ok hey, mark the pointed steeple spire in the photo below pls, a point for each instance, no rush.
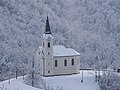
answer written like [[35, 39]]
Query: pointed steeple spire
[[47, 27]]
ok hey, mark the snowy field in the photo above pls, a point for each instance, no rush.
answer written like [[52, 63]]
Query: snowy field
[[73, 82], [15, 84], [68, 82]]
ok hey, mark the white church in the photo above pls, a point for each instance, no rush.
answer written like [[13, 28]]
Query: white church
[[56, 60]]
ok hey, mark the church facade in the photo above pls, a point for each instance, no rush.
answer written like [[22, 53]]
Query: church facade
[[56, 60]]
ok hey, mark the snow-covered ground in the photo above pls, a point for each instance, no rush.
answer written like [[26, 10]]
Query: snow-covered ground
[[73, 82], [68, 82], [15, 84]]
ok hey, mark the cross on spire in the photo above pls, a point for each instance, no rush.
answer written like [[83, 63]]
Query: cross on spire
[[47, 27]]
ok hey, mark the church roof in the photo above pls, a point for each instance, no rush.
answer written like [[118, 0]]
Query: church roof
[[47, 27], [63, 51]]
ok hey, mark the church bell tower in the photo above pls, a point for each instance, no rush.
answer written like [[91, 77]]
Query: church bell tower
[[47, 44]]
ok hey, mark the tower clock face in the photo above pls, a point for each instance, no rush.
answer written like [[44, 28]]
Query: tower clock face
[[49, 39]]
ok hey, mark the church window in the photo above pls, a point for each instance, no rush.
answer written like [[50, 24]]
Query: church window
[[56, 63], [48, 71], [78, 62], [72, 61], [65, 62], [48, 45], [43, 44], [48, 53], [48, 63]]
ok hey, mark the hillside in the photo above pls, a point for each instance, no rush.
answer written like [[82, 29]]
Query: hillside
[[16, 85], [92, 27]]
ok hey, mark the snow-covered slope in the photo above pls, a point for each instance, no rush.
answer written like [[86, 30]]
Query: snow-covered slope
[[67, 82], [73, 82], [92, 27], [16, 84]]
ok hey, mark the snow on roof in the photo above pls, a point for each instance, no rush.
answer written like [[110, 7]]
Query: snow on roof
[[45, 36], [63, 51]]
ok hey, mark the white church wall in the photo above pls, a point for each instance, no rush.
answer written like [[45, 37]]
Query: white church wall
[[75, 68], [48, 66], [48, 54], [69, 69]]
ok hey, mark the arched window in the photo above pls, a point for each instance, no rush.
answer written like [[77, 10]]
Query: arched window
[[56, 63], [48, 45], [72, 62], [78, 62], [48, 53], [48, 71], [65, 62], [43, 44]]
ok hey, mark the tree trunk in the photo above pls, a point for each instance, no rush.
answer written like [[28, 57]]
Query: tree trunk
[[16, 72], [33, 78], [33, 72]]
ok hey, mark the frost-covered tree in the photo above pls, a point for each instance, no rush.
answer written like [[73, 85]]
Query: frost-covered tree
[[110, 81], [34, 77]]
